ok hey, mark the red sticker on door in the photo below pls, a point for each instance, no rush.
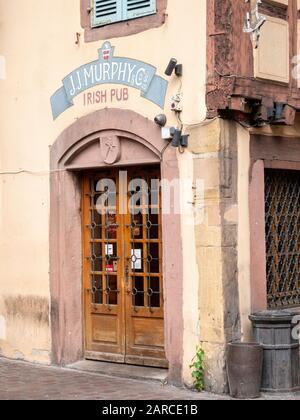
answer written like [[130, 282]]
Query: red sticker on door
[[109, 268]]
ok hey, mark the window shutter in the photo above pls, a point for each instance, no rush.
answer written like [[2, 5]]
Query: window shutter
[[138, 8], [105, 12]]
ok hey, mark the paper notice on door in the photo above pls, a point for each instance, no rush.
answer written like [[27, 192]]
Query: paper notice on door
[[136, 258], [109, 249]]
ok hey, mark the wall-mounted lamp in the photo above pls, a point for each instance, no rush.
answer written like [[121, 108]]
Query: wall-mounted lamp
[[174, 66], [176, 138], [184, 141], [160, 120]]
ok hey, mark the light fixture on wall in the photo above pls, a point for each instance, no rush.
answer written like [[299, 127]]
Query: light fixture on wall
[[180, 140], [174, 66], [160, 120], [176, 138], [184, 141]]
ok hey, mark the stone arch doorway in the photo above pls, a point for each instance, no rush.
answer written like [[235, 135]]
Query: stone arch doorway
[[78, 149]]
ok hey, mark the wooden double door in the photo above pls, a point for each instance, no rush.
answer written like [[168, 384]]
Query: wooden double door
[[122, 267]]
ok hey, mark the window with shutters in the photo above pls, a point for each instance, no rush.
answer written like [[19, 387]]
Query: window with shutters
[[106, 12], [105, 19]]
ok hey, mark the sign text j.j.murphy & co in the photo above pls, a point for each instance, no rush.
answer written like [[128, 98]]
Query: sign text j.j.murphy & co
[[110, 70]]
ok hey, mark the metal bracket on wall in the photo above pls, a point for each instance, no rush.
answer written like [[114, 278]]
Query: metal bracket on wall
[[254, 22]]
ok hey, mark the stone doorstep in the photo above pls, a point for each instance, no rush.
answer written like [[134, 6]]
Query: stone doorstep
[[121, 370]]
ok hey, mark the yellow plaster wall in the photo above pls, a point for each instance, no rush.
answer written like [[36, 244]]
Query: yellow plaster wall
[[39, 51]]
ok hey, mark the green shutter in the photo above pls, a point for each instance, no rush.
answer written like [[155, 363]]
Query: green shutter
[[105, 12], [138, 8]]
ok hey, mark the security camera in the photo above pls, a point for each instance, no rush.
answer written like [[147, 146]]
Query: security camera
[[171, 67], [160, 120]]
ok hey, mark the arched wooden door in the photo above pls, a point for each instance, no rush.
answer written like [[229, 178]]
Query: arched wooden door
[[122, 267]]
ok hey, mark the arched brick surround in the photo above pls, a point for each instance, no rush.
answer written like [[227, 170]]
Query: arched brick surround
[[74, 151]]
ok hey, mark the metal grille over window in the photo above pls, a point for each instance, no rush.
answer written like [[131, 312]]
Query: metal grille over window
[[104, 259], [282, 205], [146, 247]]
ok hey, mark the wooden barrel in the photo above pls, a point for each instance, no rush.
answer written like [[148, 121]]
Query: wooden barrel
[[281, 366], [244, 369]]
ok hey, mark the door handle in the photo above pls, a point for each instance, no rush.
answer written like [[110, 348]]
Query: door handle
[[127, 277]]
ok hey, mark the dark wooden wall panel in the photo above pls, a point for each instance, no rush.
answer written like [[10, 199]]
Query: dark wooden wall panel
[[231, 85]]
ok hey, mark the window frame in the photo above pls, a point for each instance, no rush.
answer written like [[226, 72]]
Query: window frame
[[122, 13], [120, 28], [281, 250], [266, 152]]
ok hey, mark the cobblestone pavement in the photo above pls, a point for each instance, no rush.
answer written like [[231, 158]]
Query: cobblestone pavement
[[24, 381]]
